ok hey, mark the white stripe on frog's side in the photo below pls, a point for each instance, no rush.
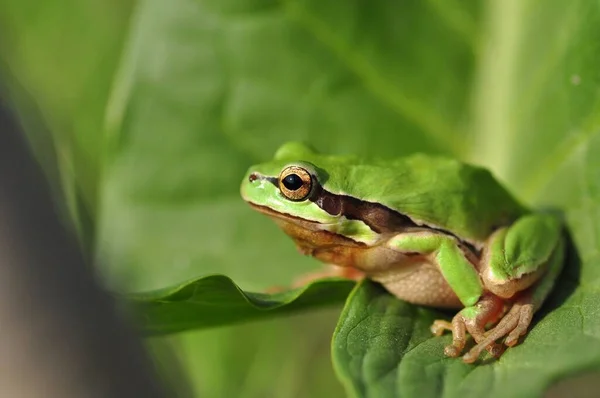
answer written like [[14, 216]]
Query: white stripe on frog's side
[[356, 230]]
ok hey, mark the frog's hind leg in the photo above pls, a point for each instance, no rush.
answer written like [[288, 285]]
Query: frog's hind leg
[[329, 271], [516, 322], [516, 257]]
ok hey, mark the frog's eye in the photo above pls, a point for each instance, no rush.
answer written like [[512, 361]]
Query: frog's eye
[[295, 183]]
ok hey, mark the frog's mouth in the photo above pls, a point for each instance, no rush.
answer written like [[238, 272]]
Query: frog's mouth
[[308, 224]]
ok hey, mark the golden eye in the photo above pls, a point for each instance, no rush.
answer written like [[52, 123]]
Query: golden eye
[[295, 183]]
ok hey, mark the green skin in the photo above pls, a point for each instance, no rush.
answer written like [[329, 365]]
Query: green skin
[[521, 252]]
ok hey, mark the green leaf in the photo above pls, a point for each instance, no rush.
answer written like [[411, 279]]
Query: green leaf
[[382, 347], [204, 88], [217, 300], [374, 334], [282, 357]]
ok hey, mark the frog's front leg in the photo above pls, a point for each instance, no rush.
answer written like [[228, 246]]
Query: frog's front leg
[[454, 263], [472, 319]]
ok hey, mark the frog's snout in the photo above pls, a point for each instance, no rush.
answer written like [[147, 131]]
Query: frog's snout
[[253, 177]]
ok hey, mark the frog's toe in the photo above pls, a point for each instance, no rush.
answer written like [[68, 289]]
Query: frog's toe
[[525, 317], [474, 353], [495, 350], [459, 336], [439, 326], [452, 351]]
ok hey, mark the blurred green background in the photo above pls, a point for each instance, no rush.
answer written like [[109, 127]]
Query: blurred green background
[[147, 113]]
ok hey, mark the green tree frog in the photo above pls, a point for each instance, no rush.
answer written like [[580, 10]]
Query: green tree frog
[[432, 230]]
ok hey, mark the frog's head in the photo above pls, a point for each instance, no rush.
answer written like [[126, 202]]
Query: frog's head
[[292, 189], [289, 185]]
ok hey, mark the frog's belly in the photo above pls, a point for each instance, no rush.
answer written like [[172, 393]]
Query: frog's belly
[[421, 284], [409, 277]]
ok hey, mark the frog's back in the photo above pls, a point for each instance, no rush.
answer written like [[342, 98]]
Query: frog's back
[[435, 191]]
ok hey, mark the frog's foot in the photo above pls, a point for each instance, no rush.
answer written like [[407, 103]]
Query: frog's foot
[[330, 271], [472, 320], [513, 325], [439, 326]]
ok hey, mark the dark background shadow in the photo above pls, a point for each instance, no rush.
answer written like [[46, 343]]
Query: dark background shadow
[[61, 335]]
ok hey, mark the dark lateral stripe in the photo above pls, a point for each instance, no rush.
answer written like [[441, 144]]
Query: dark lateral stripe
[[273, 180], [377, 217]]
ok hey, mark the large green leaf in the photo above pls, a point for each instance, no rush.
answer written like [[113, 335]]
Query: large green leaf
[[205, 88], [382, 347], [216, 300], [278, 357]]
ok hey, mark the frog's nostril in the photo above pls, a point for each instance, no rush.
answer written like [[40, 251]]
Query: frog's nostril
[[253, 177]]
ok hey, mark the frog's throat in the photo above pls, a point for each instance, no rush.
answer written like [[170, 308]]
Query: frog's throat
[[313, 239]]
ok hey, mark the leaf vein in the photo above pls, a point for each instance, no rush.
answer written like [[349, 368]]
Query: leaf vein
[[408, 108]]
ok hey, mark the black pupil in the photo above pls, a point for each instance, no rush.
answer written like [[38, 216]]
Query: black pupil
[[292, 182]]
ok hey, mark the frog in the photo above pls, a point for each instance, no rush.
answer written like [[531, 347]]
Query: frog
[[432, 230]]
